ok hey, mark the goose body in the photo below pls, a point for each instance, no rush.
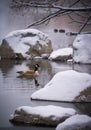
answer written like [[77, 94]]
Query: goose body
[[30, 73]]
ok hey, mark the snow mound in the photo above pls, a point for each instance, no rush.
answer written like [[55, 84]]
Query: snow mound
[[61, 54], [76, 122], [48, 115], [64, 86], [82, 49], [28, 41]]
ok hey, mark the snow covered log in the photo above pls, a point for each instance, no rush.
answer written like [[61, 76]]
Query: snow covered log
[[76, 122], [42, 115], [66, 86], [25, 44], [82, 49], [62, 54]]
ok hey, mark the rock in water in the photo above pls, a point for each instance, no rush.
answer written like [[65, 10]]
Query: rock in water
[[25, 44]]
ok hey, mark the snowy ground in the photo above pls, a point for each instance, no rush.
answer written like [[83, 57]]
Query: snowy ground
[[64, 86]]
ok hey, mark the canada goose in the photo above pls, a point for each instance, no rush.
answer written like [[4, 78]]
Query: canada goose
[[30, 73]]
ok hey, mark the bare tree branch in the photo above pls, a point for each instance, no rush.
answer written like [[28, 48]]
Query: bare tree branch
[[84, 24], [74, 3], [41, 21], [59, 9], [78, 21], [47, 5]]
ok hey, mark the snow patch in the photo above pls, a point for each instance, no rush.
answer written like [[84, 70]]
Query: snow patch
[[47, 111]]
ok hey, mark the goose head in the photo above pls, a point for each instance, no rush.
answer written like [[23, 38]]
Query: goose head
[[36, 67]]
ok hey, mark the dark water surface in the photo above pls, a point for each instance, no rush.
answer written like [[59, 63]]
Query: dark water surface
[[15, 92]]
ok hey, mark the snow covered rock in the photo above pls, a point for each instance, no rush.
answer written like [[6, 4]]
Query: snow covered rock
[[64, 86], [76, 122], [42, 115], [82, 49], [28, 43], [6, 50], [62, 54]]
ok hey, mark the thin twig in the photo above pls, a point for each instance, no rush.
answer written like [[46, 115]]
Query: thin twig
[[84, 24]]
